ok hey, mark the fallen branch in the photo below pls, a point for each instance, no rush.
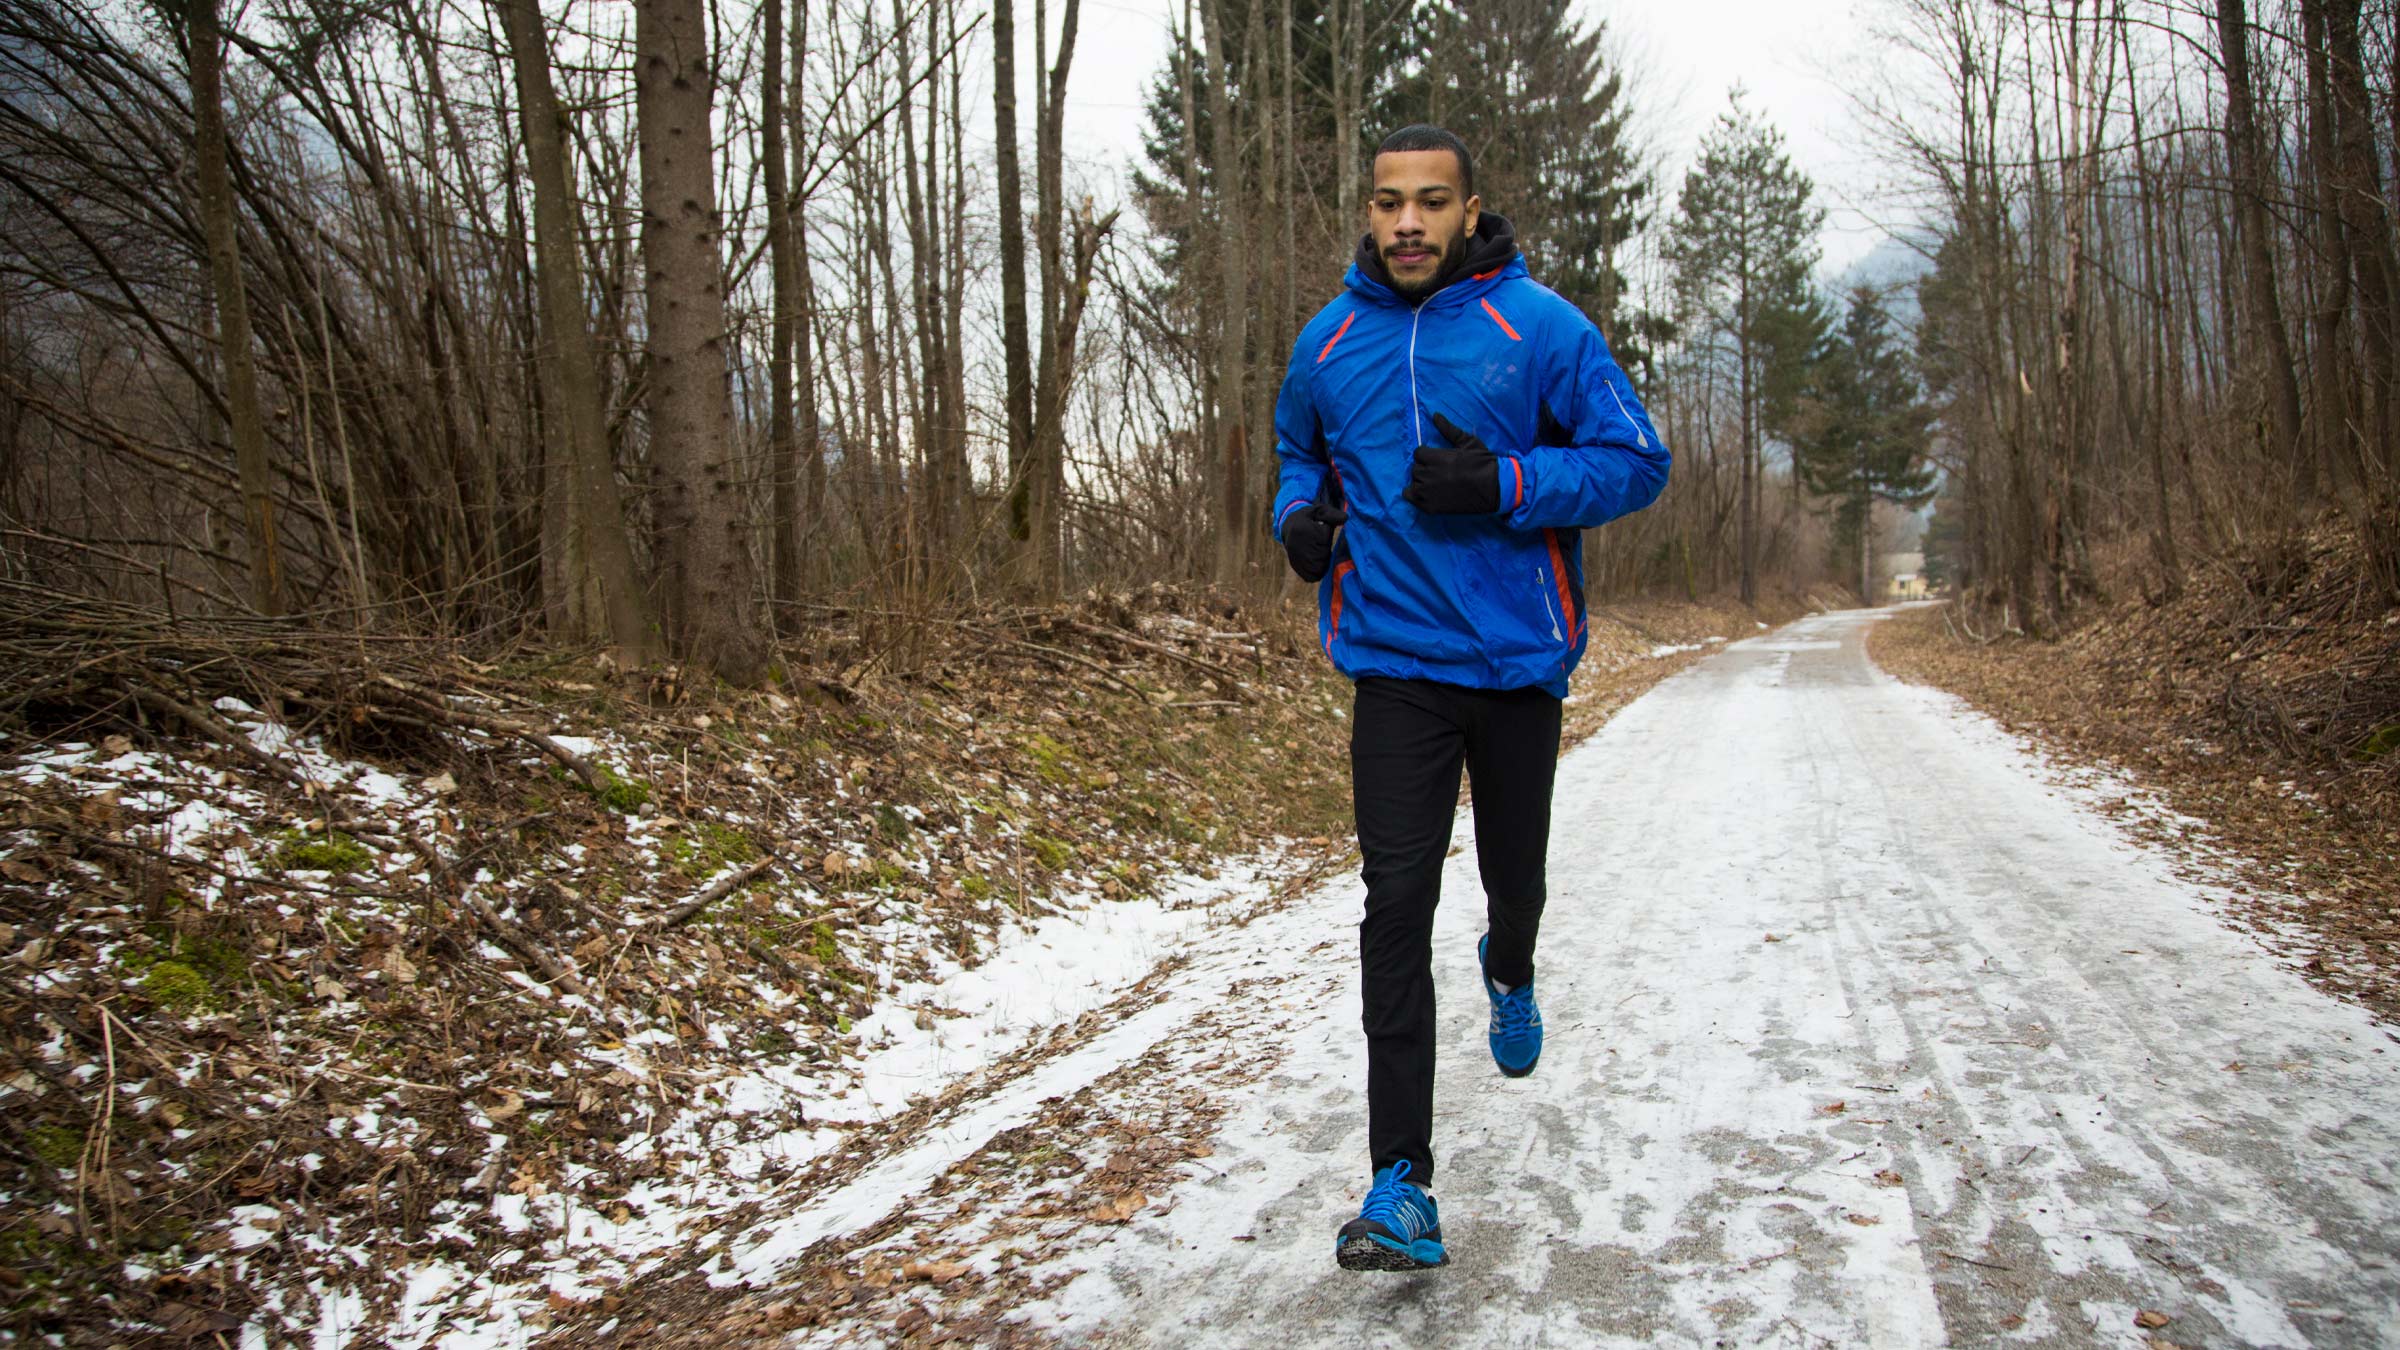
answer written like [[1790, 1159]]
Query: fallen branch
[[715, 891], [433, 705], [506, 934], [214, 728], [1079, 659], [1231, 682]]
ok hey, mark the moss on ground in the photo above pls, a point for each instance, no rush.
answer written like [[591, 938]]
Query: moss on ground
[[620, 794], [335, 852], [61, 1146], [708, 848], [179, 989], [1052, 853]]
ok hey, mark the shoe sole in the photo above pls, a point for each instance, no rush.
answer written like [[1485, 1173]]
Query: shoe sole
[[1372, 1253], [1507, 1072]]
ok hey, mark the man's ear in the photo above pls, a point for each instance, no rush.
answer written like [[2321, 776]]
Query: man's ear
[[1474, 214]]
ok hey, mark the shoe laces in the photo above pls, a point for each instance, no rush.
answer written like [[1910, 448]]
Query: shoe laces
[[1389, 1200], [1514, 1013]]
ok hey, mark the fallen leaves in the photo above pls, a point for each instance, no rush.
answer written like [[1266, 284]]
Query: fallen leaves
[[1119, 1209], [2151, 1319]]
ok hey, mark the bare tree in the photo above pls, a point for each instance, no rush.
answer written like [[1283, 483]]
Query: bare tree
[[205, 46]]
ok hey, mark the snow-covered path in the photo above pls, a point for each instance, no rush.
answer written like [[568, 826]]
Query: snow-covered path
[[1860, 1033]]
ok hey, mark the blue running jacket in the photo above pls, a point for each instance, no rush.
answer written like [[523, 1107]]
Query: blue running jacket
[[1489, 602]]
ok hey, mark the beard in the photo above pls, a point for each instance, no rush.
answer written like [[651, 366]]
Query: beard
[[1446, 255]]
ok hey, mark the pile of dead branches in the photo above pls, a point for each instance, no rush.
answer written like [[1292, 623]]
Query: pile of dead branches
[[80, 668]]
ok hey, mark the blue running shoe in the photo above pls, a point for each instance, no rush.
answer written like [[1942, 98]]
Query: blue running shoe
[[1516, 1034], [1396, 1229]]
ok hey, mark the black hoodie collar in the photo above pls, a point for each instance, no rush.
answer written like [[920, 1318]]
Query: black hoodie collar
[[1492, 245]]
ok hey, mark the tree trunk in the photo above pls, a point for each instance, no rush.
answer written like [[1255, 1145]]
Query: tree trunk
[[1233, 308], [783, 459], [248, 428], [2248, 164], [2335, 415], [798, 535], [706, 574], [1745, 341], [1057, 340], [1015, 345], [599, 557], [2375, 276]]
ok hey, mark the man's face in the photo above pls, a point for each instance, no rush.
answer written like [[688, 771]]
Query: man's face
[[1420, 217]]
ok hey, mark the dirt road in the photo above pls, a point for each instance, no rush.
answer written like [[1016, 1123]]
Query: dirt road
[[1861, 1032]]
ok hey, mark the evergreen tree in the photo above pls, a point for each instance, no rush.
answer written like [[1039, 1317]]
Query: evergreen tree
[[1865, 431], [1742, 245], [1529, 89], [1533, 93]]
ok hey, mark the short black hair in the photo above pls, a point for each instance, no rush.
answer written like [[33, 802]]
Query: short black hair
[[1419, 136]]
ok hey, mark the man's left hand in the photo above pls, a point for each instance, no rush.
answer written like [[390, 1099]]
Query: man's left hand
[[1459, 479]]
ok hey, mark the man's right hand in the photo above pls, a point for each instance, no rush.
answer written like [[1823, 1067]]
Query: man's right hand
[[1308, 539]]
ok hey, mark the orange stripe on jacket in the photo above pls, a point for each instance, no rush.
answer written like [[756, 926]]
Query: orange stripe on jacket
[[1333, 623], [1566, 593], [1337, 336], [1512, 333]]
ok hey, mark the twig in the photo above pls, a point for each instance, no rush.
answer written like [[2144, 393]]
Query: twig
[[717, 890], [1987, 1265]]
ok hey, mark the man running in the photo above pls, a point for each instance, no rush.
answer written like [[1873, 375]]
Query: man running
[[1446, 427]]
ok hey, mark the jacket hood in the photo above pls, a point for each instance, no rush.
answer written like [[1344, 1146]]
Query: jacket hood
[[1492, 246]]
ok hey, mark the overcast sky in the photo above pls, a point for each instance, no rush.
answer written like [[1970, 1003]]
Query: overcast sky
[[1683, 55]]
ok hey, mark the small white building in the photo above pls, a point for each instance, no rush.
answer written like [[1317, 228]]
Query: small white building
[[1904, 577]]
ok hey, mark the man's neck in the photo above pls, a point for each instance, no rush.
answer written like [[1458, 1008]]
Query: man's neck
[[1493, 236]]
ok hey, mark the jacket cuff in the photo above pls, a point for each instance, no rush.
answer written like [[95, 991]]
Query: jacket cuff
[[1286, 514]]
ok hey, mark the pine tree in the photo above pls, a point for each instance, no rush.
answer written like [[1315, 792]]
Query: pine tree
[[1864, 435], [1534, 94], [1742, 245]]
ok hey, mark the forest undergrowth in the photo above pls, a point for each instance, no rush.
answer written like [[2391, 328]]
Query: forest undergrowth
[[324, 956]]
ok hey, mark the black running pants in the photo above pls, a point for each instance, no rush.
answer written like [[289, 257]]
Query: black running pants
[[1408, 741]]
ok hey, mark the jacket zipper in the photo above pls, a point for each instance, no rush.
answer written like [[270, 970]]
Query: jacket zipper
[[1416, 420], [1639, 438]]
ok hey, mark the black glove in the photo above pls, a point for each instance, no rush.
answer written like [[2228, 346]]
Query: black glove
[[1460, 479], [1308, 539]]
